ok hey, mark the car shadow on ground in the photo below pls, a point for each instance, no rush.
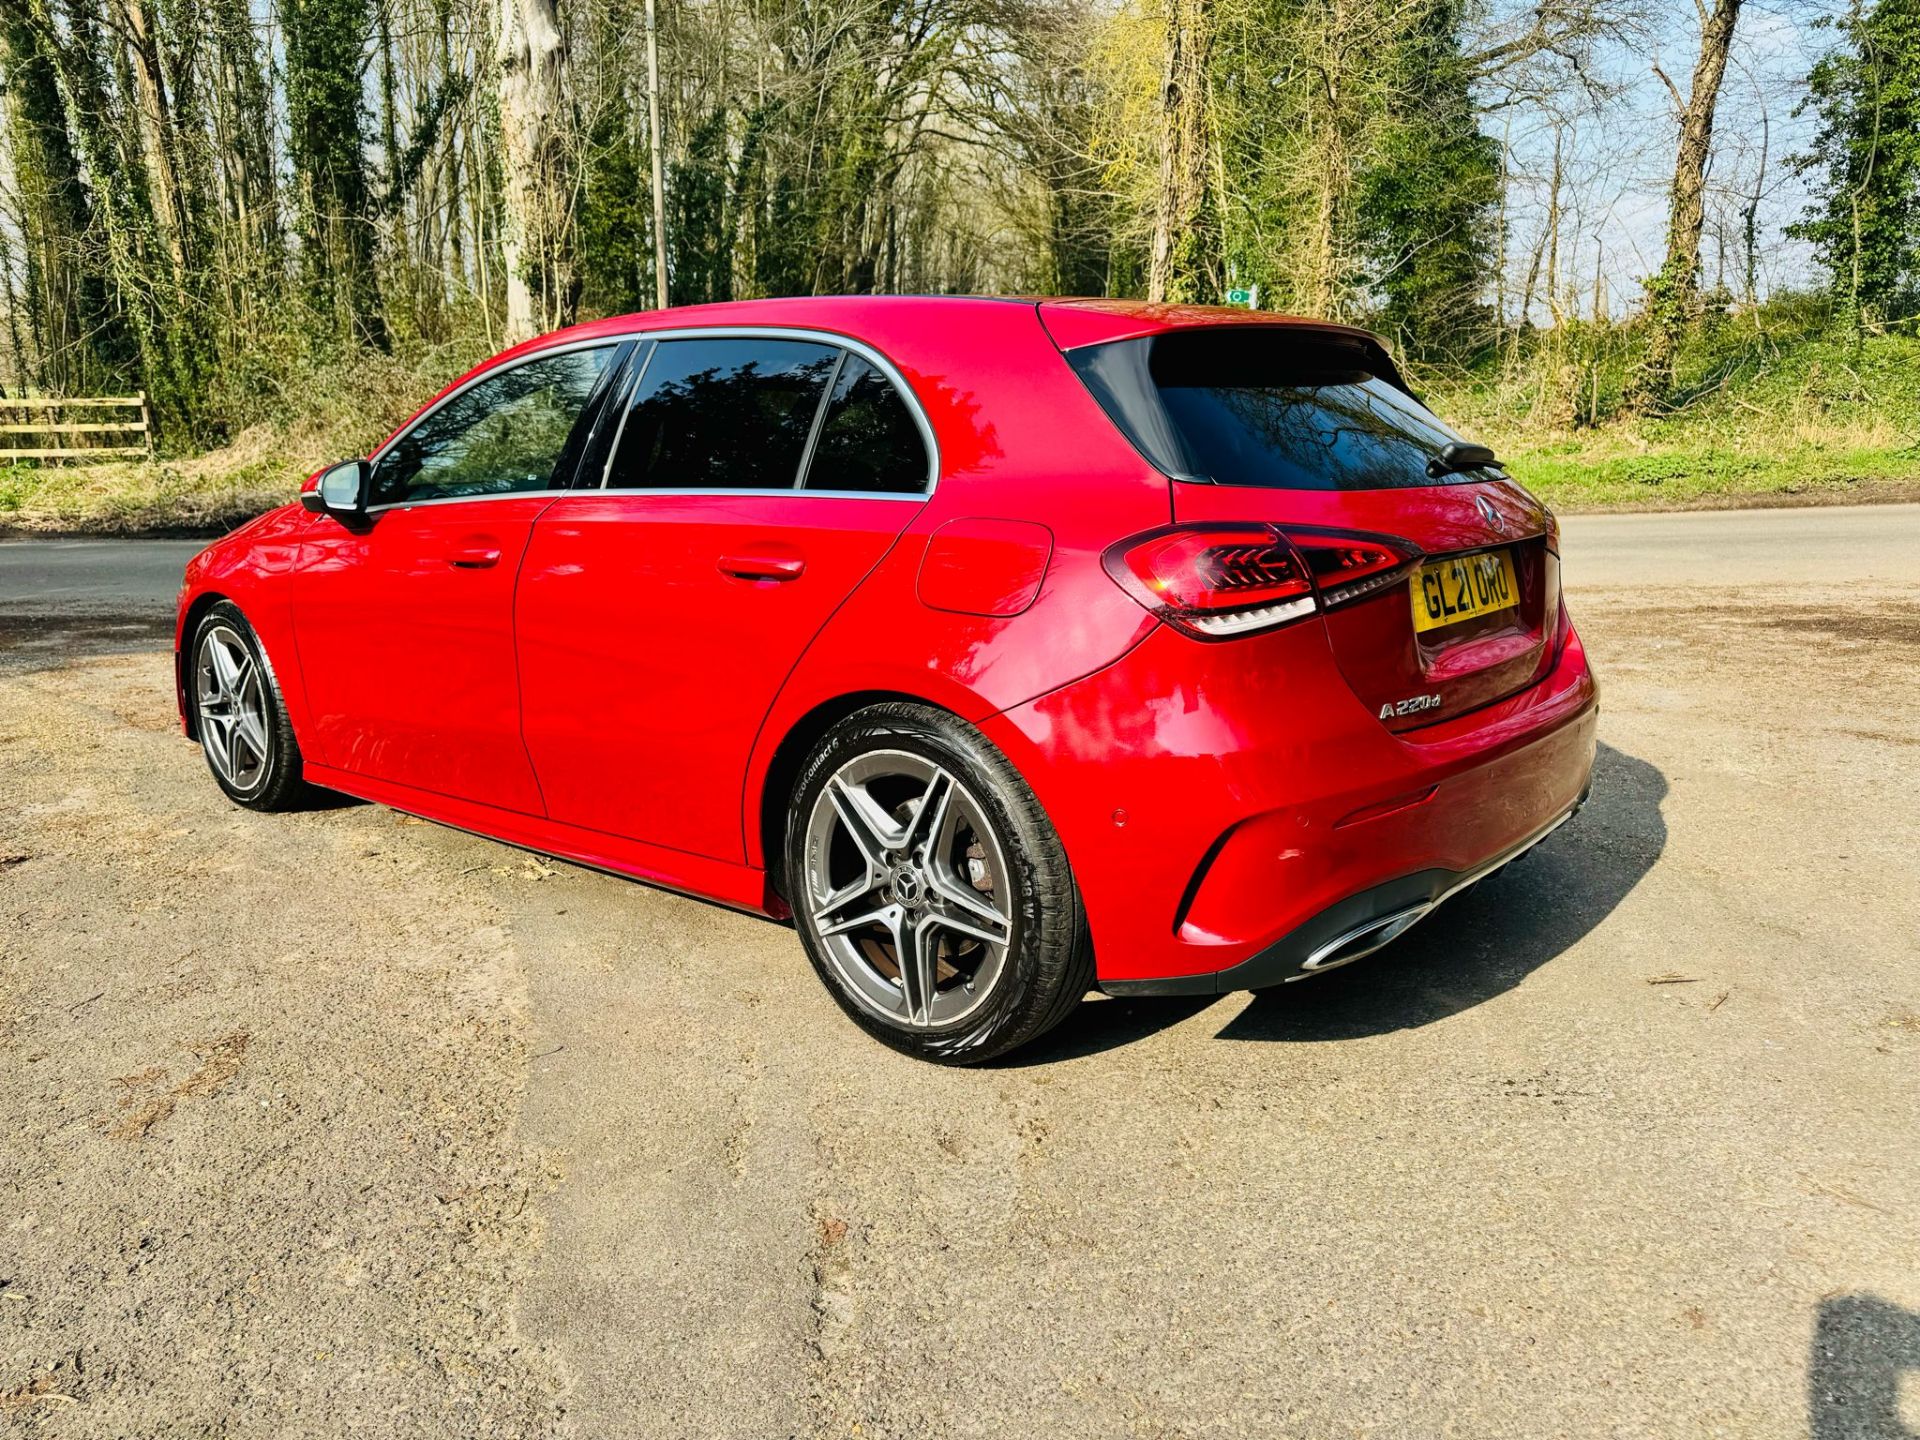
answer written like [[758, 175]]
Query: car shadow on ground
[[1862, 1345], [1478, 945], [313, 798]]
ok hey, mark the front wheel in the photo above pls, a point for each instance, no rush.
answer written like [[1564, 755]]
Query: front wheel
[[930, 890], [238, 715]]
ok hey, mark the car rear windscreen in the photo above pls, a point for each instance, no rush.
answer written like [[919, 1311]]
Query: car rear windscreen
[[1276, 407]]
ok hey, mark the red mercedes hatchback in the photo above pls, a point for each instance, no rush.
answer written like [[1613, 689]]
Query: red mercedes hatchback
[[1009, 648]]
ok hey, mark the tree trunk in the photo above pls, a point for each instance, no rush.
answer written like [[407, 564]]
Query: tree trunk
[[654, 148], [65, 298], [324, 42], [157, 133], [1675, 297], [536, 239], [1180, 257], [1553, 233]]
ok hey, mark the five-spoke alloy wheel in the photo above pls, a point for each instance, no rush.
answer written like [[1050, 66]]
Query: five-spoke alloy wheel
[[901, 868], [238, 716], [930, 890], [231, 696]]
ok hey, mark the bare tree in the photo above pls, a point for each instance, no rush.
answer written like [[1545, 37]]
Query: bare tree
[[536, 232], [1179, 266], [1675, 291]]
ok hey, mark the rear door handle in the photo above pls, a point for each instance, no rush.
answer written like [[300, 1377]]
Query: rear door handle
[[764, 565], [477, 556]]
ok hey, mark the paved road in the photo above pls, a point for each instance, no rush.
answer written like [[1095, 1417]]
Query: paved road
[[338, 1122], [66, 576], [1862, 542], [1865, 544], [68, 598]]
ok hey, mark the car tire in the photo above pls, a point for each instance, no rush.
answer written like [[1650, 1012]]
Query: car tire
[[908, 828], [239, 716]]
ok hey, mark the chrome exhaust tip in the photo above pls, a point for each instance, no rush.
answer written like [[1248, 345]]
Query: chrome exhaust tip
[[1362, 941]]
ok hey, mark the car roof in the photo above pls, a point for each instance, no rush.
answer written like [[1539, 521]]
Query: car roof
[[1072, 321]]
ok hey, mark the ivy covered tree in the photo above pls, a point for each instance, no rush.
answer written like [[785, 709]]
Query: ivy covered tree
[[1864, 164], [1426, 201], [326, 48], [701, 267], [78, 340]]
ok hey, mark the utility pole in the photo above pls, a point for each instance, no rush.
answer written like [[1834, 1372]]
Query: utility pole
[[659, 174]]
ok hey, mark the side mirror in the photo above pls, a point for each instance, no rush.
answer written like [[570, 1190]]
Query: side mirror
[[342, 491]]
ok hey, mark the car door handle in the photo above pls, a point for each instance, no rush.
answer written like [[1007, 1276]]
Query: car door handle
[[766, 565], [474, 557]]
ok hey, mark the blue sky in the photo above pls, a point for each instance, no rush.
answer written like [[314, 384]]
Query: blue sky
[[1619, 157]]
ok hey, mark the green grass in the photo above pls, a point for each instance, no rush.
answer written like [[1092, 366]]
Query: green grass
[[143, 497], [1775, 408], [327, 413], [1699, 476]]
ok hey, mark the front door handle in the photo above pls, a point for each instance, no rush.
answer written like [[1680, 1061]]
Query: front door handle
[[764, 565], [477, 556]]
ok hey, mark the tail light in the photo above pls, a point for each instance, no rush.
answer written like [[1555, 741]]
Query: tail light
[[1218, 581], [1348, 566]]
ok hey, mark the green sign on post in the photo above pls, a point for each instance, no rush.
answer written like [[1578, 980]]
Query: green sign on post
[[1249, 297]]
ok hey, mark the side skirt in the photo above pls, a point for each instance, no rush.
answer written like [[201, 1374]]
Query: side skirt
[[738, 887]]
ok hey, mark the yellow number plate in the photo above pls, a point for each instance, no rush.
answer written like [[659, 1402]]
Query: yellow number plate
[[1447, 591]]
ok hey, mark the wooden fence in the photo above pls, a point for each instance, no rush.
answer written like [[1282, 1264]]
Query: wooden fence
[[88, 438]]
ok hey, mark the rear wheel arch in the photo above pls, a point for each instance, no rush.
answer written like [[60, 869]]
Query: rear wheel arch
[[783, 769], [1037, 960], [769, 812]]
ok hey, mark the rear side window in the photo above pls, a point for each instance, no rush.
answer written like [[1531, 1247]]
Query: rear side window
[[504, 435], [722, 414], [868, 439], [1271, 408]]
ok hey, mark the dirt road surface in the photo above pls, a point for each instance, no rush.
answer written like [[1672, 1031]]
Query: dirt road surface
[[340, 1123]]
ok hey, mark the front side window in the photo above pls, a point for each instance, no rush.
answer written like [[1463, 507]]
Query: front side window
[[505, 435], [722, 414], [868, 440]]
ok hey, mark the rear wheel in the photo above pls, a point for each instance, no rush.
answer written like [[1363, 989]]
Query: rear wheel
[[239, 716], [932, 894]]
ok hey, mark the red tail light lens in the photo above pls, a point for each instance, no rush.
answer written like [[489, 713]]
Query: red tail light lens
[[1348, 567], [1215, 581], [1218, 581]]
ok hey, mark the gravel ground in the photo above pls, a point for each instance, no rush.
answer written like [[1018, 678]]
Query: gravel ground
[[344, 1124]]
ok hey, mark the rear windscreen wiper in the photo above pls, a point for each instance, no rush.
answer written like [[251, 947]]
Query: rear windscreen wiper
[[1456, 456]]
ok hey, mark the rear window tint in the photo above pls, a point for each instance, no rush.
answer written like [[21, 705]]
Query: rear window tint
[[722, 414], [1270, 408], [868, 441]]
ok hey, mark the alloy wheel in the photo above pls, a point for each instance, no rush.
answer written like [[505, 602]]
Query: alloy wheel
[[230, 695], [906, 886]]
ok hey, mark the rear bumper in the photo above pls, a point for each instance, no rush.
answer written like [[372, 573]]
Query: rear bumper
[[1233, 812], [1350, 930]]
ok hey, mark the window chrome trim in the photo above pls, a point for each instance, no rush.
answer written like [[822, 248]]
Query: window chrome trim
[[819, 421], [468, 499], [598, 342], [623, 397], [844, 343], [912, 497]]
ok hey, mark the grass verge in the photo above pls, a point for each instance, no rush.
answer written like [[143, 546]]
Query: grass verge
[[1776, 410]]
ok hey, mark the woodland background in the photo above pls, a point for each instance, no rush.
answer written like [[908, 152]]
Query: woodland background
[[1657, 253]]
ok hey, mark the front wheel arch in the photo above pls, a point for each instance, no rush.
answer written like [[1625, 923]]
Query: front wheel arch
[[183, 657]]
